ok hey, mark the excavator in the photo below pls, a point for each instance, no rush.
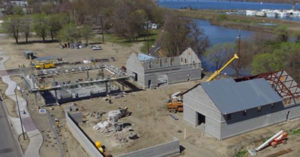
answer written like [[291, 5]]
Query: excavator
[[45, 65], [175, 103]]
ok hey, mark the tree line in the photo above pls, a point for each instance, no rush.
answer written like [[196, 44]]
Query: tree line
[[71, 21], [263, 52]]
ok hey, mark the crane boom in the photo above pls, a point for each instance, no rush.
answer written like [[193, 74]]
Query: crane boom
[[217, 72]]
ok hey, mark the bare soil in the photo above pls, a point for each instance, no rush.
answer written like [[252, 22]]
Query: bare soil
[[24, 143], [10, 104], [150, 118]]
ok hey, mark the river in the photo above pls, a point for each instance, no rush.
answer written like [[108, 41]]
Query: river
[[222, 5], [219, 34]]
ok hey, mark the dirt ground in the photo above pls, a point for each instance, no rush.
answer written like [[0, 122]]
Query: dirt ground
[[150, 118], [10, 104], [120, 53]]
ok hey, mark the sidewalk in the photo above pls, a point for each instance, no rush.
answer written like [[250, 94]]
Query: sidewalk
[[36, 138]]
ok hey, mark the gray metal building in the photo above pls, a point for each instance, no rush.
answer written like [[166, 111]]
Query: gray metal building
[[151, 72], [227, 108]]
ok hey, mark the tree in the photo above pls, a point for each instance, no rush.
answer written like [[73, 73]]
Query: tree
[[279, 59], [180, 33], [293, 64], [219, 54], [263, 63], [86, 33], [198, 40], [12, 26], [69, 33], [137, 22], [41, 26], [18, 11], [55, 23], [129, 17], [282, 34], [26, 24]]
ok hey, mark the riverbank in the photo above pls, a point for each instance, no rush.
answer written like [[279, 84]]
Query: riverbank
[[220, 18], [269, 1]]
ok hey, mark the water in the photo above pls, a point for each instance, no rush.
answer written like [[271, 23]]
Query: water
[[222, 5], [219, 34]]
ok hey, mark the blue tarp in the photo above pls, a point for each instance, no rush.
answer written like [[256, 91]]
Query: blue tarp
[[144, 57]]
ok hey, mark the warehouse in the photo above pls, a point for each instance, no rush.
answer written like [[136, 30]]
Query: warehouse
[[151, 72], [225, 108]]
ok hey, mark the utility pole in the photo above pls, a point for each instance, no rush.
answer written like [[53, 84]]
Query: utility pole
[[17, 103], [148, 49], [102, 28], [237, 65]]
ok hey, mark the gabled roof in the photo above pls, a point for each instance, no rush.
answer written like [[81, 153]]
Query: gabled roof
[[230, 96]]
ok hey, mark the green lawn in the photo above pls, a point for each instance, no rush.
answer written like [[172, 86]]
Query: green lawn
[[153, 34], [294, 132], [150, 41], [113, 38], [241, 153]]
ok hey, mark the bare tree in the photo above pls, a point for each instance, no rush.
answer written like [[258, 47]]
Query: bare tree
[[12, 26], [26, 27], [180, 33], [219, 54]]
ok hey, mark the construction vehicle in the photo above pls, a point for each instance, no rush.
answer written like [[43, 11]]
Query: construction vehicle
[[101, 149], [43, 65], [280, 137], [217, 72], [175, 103]]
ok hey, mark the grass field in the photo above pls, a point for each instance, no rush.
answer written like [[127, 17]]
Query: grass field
[[218, 17]]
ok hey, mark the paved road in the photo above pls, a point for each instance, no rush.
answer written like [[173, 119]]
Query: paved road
[[8, 146]]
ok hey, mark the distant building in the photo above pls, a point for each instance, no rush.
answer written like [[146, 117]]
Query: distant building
[[227, 107], [20, 3], [151, 72], [151, 25]]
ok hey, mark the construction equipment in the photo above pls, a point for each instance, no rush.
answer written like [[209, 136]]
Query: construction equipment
[[175, 103], [101, 149], [280, 137], [217, 72], [43, 65]]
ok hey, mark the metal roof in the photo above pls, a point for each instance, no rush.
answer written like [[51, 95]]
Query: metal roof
[[46, 58], [230, 96]]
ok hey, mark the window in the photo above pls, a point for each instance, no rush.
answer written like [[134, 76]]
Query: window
[[185, 60], [259, 109], [245, 113], [272, 106], [150, 65], [228, 117], [181, 59]]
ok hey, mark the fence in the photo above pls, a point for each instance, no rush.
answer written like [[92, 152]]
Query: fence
[[82, 138]]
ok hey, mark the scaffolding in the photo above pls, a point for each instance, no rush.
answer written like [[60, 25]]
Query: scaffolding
[[282, 82]]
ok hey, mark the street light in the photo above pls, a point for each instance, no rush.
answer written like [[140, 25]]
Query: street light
[[17, 102], [238, 53]]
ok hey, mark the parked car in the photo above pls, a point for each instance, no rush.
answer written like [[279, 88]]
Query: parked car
[[94, 47]]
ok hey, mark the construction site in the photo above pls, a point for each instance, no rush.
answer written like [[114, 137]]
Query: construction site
[[87, 103]]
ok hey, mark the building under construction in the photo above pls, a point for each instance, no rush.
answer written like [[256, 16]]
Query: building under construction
[[229, 107], [151, 72], [75, 82]]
